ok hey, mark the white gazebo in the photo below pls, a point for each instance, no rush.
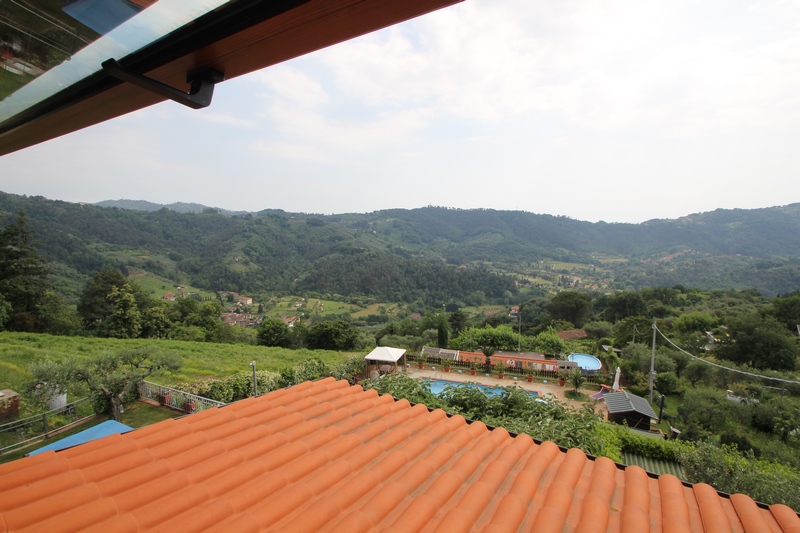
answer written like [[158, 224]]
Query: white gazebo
[[385, 360]]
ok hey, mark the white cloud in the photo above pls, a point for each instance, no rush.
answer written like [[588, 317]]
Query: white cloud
[[615, 110]]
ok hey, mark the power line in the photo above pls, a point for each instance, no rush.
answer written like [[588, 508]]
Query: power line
[[721, 366]]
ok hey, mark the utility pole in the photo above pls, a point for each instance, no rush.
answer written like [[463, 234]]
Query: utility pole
[[255, 383], [653, 362]]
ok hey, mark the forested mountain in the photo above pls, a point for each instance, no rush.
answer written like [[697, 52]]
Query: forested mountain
[[178, 207], [432, 254]]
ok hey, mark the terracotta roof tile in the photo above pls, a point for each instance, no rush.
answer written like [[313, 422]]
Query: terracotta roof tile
[[325, 456]]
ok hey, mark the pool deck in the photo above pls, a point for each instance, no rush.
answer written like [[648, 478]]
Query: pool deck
[[543, 388]]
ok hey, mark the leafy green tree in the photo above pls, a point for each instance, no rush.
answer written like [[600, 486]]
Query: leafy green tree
[[666, 383], [185, 308], [760, 342], [207, 317], [638, 358], [534, 315], [549, 342], [624, 304], [125, 321], [696, 371], [502, 338], [110, 376], [694, 322], [274, 332], [598, 329], [787, 311], [331, 335], [155, 323], [573, 306], [24, 275], [59, 318], [637, 329]]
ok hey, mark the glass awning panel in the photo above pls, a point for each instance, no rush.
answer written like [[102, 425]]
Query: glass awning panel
[[49, 45]]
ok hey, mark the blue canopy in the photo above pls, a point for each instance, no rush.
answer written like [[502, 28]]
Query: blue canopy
[[109, 427]]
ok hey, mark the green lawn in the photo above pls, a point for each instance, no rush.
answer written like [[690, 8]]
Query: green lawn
[[140, 414]]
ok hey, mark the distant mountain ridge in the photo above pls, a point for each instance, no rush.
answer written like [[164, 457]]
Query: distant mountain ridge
[[178, 207], [415, 253]]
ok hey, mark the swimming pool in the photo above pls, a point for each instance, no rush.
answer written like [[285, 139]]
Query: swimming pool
[[586, 361], [438, 385]]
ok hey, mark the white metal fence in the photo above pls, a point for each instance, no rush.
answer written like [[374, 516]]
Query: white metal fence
[[174, 398]]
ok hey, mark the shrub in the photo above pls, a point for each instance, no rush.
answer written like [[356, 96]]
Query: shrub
[[666, 383], [728, 471]]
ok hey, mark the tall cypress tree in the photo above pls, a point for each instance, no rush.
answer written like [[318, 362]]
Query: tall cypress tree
[[24, 275]]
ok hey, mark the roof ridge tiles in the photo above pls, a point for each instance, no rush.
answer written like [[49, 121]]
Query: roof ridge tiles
[[674, 509], [595, 512], [711, 511], [636, 506]]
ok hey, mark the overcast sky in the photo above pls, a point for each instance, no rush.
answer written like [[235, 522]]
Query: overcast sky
[[619, 110]]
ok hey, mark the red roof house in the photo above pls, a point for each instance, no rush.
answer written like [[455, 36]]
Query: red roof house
[[326, 456]]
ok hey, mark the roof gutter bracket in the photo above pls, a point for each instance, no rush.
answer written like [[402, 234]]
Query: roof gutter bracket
[[199, 96]]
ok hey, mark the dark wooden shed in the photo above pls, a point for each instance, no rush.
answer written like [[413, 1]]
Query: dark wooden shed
[[624, 407]]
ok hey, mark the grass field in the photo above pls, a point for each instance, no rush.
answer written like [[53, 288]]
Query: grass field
[[289, 306], [613, 260], [560, 265], [157, 287], [392, 309], [329, 307], [485, 310], [200, 360]]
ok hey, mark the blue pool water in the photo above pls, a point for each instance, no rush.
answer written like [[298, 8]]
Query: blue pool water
[[586, 361], [438, 385]]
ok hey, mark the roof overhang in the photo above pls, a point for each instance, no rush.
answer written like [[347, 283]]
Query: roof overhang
[[241, 37]]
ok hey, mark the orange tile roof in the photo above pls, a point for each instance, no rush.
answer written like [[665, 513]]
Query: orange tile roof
[[572, 334], [327, 456]]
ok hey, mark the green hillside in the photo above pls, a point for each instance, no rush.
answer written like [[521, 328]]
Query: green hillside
[[434, 255]]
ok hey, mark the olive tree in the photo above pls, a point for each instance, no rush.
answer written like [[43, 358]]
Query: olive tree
[[109, 376]]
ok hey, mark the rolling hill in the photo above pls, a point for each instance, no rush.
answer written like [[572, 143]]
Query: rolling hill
[[432, 254]]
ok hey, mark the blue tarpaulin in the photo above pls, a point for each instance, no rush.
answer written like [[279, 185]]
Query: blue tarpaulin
[[109, 427]]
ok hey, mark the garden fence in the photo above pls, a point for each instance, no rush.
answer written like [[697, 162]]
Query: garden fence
[[37, 427], [438, 362], [174, 398]]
